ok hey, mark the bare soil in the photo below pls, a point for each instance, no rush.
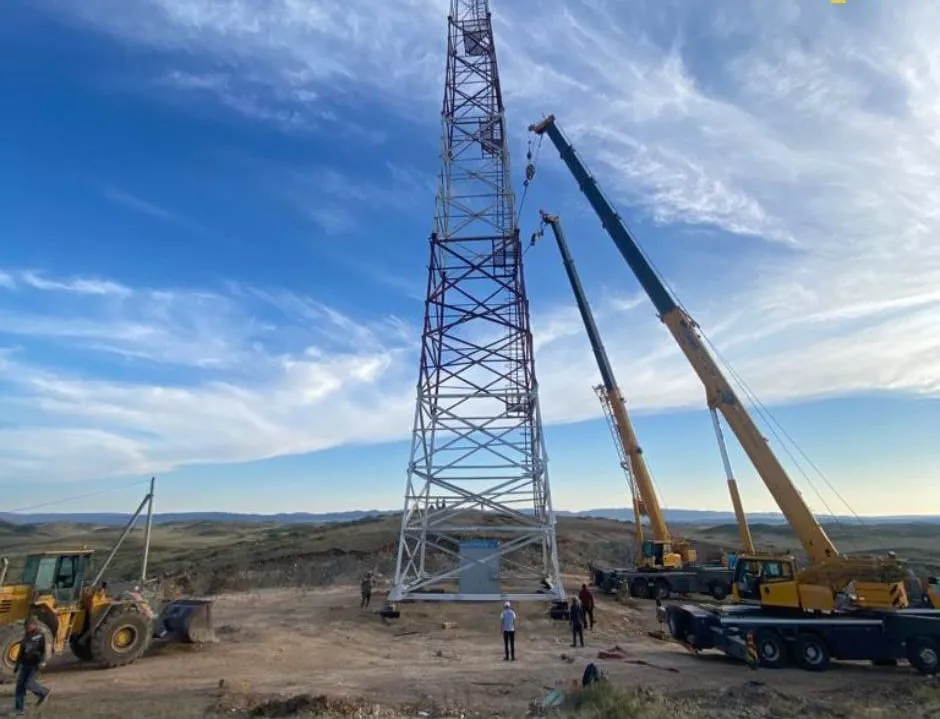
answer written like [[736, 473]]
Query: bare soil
[[313, 652]]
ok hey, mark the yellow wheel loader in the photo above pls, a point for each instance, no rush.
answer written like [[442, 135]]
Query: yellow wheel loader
[[106, 626], [106, 629]]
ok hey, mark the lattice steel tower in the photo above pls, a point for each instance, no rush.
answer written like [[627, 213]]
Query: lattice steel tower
[[478, 464]]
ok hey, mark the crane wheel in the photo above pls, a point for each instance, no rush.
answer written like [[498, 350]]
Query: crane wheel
[[640, 588], [10, 638], [812, 652], [718, 591], [122, 638], [771, 649], [677, 621], [924, 655]]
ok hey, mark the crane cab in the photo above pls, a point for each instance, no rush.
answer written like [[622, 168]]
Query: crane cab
[[769, 580], [664, 555]]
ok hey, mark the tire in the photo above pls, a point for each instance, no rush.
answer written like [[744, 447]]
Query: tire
[[10, 638], [771, 649], [718, 591], [122, 638], [812, 652], [924, 655], [80, 650], [661, 589], [677, 623], [639, 588]]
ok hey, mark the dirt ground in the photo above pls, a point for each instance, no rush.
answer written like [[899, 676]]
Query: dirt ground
[[279, 649]]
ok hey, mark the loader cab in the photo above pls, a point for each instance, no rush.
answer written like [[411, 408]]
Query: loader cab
[[61, 575], [768, 580]]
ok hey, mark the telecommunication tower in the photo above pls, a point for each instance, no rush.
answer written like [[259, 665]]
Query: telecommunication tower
[[478, 523]]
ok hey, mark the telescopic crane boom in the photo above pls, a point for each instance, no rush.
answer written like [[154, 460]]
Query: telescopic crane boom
[[615, 400], [777, 581], [816, 542]]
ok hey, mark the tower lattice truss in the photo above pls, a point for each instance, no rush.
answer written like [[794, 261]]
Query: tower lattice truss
[[478, 522]]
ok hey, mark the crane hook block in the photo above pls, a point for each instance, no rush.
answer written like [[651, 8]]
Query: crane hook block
[[529, 172]]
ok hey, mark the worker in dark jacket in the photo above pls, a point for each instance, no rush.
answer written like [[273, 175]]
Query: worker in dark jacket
[[576, 619], [587, 601], [29, 662], [365, 591]]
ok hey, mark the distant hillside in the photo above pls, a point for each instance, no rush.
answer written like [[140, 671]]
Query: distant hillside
[[189, 517], [675, 516], [695, 516]]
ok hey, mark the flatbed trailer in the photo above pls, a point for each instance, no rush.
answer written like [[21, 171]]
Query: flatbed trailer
[[810, 641], [706, 579]]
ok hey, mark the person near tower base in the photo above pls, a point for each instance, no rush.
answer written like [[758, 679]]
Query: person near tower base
[[507, 625]]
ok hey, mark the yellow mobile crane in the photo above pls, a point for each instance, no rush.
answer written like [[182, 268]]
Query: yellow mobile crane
[[839, 606], [664, 565]]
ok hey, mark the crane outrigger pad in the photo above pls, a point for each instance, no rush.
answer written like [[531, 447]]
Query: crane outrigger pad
[[186, 620]]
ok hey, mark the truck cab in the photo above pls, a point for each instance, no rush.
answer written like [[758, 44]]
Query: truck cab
[[769, 580]]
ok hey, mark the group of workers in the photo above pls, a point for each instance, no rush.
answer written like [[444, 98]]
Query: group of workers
[[580, 617]]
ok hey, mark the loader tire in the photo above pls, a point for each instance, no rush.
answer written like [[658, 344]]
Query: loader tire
[[10, 638], [122, 638], [81, 650]]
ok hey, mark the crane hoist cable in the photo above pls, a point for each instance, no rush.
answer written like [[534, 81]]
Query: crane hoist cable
[[531, 161]]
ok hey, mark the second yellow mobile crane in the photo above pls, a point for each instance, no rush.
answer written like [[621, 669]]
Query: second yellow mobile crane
[[838, 606], [664, 564]]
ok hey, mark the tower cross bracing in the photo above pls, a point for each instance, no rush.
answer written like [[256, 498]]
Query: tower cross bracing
[[478, 523]]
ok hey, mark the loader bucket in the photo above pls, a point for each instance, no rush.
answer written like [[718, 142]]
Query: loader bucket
[[186, 620]]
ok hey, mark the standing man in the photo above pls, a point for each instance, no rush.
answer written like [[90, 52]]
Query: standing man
[[587, 601], [31, 659], [365, 591], [576, 617], [507, 623]]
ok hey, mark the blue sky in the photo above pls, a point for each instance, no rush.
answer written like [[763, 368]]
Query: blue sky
[[214, 219]]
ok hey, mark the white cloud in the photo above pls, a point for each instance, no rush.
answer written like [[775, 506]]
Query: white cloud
[[82, 286], [137, 204], [810, 130], [234, 387]]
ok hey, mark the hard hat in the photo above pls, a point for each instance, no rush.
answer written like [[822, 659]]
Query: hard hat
[[507, 605]]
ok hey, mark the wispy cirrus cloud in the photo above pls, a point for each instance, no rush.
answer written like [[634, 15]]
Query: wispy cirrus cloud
[[806, 131], [172, 377], [120, 197], [76, 285]]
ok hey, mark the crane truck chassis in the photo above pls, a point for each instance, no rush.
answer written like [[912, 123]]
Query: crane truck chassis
[[642, 583], [810, 641]]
